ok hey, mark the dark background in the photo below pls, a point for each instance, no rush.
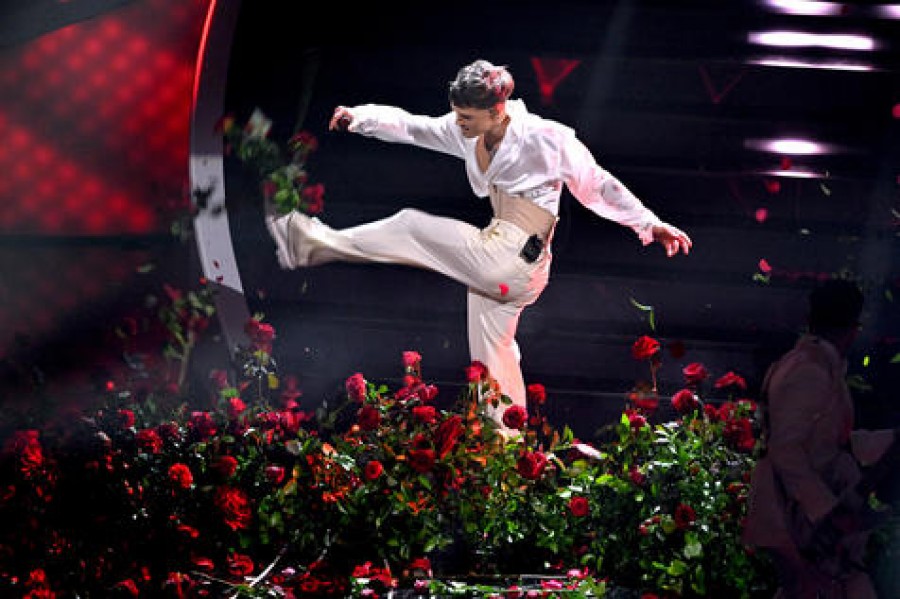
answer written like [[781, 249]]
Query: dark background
[[667, 95]]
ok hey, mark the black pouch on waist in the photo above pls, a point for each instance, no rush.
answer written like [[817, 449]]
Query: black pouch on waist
[[531, 251]]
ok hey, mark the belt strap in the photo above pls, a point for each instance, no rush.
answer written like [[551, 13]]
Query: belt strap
[[523, 213]]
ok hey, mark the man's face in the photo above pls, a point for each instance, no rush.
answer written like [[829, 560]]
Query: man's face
[[474, 121]]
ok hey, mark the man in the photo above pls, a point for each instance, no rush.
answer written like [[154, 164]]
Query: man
[[808, 508], [521, 162]]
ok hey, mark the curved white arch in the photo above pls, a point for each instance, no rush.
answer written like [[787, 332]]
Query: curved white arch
[[206, 171]]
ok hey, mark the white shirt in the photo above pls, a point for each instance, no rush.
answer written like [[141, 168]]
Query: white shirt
[[534, 159]]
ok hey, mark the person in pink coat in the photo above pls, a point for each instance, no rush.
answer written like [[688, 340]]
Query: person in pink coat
[[520, 161], [807, 507]]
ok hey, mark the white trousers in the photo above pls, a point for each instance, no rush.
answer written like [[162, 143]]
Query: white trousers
[[500, 282]]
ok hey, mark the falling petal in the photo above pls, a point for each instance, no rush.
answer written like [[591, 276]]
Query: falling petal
[[773, 186], [786, 164], [504, 289], [764, 266], [761, 215], [825, 189]]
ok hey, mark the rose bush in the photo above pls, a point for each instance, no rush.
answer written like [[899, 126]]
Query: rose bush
[[237, 489]]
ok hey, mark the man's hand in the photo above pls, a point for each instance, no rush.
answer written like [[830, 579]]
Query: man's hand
[[672, 238], [341, 119]]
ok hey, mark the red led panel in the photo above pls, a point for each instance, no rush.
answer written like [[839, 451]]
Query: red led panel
[[97, 118]]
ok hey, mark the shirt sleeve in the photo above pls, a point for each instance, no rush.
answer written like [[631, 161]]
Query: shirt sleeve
[[795, 407], [602, 193], [392, 124]]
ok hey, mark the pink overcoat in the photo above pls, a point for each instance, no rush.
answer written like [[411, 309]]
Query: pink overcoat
[[813, 455]]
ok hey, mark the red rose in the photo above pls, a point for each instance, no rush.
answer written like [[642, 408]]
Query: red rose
[[356, 387], [421, 460], [684, 515], [235, 406], [234, 507], [274, 474], [26, 447], [531, 464], [411, 359], [181, 475], [579, 506], [739, 434], [427, 392], [644, 348], [685, 401], [203, 563], [636, 476], [515, 417], [127, 587], [261, 335], [239, 565], [313, 195], [369, 417], [536, 393], [426, 414], [126, 418], [373, 470], [635, 419], [711, 412], [149, 441], [730, 379], [694, 373], [447, 434], [476, 372], [225, 465], [202, 425]]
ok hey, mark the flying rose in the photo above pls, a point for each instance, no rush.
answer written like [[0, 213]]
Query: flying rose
[[411, 359], [644, 348]]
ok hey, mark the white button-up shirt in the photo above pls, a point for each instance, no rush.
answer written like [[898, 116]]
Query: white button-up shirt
[[536, 157]]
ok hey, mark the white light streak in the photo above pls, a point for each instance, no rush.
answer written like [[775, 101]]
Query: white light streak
[[793, 63], [789, 146], [805, 7], [801, 39]]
